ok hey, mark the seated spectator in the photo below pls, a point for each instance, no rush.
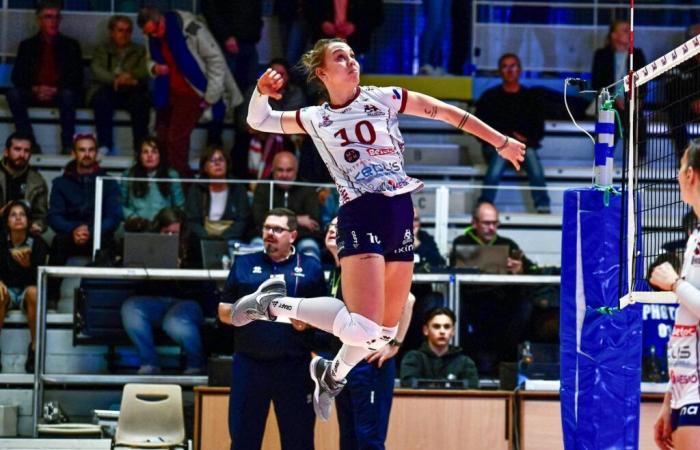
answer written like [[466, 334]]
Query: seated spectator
[[20, 256], [303, 200], [166, 305], [141, 200], [427, 255], [436, 359], [216, 210], [191, 79], [496, 317], [258, 149], [119, 80], [502, 107], [18, 181], [610, 65], [48, 71], [72, 208]]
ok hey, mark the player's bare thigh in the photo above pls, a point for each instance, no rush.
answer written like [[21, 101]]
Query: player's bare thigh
[[398, 278], [362, 278], [686, 438]]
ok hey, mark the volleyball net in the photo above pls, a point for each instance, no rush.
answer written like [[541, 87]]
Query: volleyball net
[[661, 116]]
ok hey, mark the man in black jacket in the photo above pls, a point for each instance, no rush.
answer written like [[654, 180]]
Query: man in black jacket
[[48, 72], [513, 110], [436, 358], [494, 317], [237, 27]]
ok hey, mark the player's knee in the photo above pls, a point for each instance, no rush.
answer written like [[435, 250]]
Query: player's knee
[[357, 330]]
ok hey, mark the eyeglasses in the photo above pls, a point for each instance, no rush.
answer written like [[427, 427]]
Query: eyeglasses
[[274, 229], [217, 160]]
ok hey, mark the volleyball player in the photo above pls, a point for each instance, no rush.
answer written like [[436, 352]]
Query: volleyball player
[[678, 424], [357, 135]]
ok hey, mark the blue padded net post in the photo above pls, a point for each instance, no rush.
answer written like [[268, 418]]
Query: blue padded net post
[[600, 345]]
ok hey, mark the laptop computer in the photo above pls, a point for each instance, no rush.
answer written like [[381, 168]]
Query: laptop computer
[[491, 259], [213, 252], [151, 250]]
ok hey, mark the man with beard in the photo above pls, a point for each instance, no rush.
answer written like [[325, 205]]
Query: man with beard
[[72, 208], [264, 350], [20, 182]]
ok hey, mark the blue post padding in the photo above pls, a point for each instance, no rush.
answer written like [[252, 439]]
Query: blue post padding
[[601, 152], [604, 128], [600, 350]]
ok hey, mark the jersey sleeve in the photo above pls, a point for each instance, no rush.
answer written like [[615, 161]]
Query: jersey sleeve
[[393, 97], [304, 118]]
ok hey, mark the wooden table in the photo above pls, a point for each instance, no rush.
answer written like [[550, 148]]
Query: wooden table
[[540, 420], [420, 419]]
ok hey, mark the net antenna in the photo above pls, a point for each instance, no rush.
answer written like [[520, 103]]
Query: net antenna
[[654, 208]]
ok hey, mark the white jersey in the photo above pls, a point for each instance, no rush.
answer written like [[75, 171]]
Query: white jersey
[[361, 143], [683, 369]]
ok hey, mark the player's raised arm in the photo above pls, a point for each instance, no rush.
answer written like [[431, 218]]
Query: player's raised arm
[[261, 117], [422, 105]]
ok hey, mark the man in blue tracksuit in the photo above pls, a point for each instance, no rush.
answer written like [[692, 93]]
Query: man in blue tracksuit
[[364, 404], [271, 360]]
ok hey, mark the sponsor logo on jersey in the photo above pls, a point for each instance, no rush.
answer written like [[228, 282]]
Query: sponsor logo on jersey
[[682, 352], [372, 110], [374, 170], [405, 249], [407, 237], [373, 238], [690, 410], [344, 194], [684, 379], [298, 271], [684, 330], [325, 121], [380, 151], [351, 155], [257, 269]]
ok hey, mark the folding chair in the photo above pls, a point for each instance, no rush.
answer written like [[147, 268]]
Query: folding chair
[[151, 416]]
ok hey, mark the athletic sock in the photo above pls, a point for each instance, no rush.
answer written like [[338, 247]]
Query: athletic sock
[[347, 358], [319, 312]]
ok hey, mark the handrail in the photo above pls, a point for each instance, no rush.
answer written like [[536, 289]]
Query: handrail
[[43, 272], [442, 200]]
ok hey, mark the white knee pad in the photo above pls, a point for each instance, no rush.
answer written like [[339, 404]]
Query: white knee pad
[[357, 330]]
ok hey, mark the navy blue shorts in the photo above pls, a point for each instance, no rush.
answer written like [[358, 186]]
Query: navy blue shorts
[[687, 416], [375, 223]]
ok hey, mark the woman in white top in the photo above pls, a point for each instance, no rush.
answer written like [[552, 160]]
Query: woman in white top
[[678, 424], [356, 134]]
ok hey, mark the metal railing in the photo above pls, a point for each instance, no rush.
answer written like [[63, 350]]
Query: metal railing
[[443, 192], [567, 46]]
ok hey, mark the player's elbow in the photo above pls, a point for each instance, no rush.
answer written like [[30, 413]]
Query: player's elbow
[[253, 123]]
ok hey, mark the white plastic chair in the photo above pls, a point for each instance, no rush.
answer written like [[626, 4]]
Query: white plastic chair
[[151, 417]]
